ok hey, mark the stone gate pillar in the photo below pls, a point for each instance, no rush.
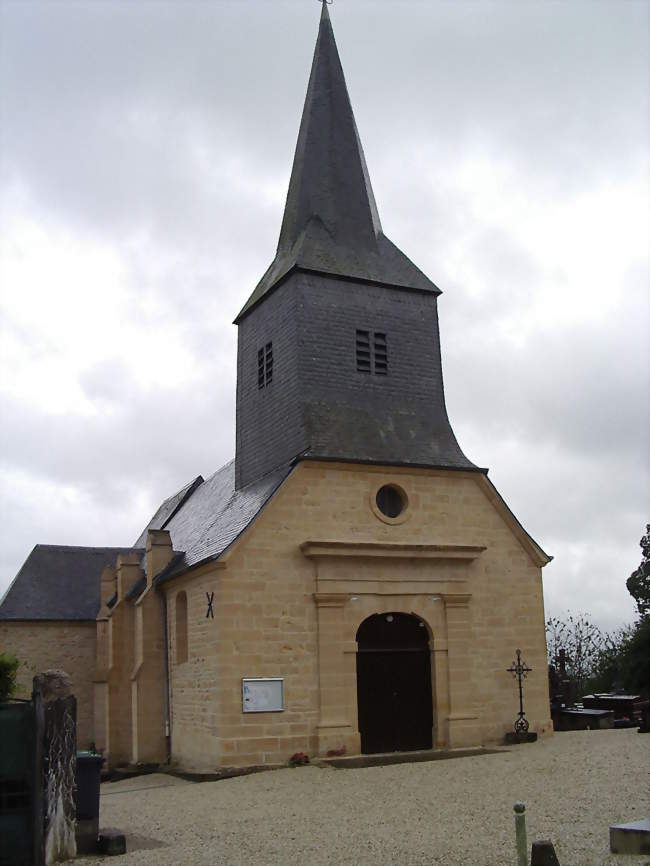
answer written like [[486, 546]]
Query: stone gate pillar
[[55, 709]]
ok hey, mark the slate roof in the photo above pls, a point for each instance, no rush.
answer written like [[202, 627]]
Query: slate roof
[[214, 515], [59, 582], [331, 223], [168, 509]]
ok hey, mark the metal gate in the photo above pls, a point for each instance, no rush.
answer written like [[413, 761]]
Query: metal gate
[[17, 750]]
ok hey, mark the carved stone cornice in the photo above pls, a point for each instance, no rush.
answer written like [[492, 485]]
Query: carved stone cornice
[[331, 599], [457, 599], [388, 550]]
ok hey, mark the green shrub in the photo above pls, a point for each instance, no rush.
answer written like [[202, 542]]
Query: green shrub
[[8, 668]]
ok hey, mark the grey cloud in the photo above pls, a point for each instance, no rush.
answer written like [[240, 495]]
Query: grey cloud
[[137, 439], [167, 130], [118, 93], [581, 388]]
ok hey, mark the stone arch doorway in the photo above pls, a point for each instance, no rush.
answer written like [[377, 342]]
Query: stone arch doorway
[[394, 692]]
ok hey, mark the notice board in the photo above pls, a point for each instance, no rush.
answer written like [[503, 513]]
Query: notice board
[[262, 695]]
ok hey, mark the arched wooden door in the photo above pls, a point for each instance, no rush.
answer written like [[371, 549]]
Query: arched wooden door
[[394, 695]]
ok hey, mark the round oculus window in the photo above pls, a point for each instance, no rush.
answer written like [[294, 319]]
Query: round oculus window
[[391, 500]]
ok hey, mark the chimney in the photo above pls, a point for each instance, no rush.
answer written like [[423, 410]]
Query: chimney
[[108, 587], [159, 552], [128, 573]]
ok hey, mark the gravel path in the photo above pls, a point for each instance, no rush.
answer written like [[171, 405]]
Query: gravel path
[[456, 812]]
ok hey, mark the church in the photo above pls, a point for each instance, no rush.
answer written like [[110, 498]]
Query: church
[[351, 582]]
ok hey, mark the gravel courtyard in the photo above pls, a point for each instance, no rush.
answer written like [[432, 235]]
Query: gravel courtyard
[[453, 812]]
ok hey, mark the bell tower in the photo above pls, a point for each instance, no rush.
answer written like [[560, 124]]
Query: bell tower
[[338, 346]]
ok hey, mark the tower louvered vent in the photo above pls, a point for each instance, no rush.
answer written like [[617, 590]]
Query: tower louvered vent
[[372, 352], [265, 365]]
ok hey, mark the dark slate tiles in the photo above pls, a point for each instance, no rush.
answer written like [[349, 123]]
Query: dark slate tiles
[[320, 404], [168, 508], [204, 518], [331, 223], [59, 583], [217, 514]]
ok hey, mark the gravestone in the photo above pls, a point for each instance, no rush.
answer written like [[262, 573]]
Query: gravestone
[[628, 707], [644, 727]]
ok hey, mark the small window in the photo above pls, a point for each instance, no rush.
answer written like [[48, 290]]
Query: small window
[[181, 628], [265, 365], [391, 500], [372, 352]]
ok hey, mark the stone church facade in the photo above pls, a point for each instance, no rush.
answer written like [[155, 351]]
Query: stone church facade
[[351, 582]]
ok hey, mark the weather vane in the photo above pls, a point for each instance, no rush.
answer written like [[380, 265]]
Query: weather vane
[[329, 2]]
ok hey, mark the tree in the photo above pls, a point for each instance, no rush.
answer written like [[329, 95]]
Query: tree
[[635, 659], [610, 670], [582, 642], [638, 583], [599, 662], [8, 667]]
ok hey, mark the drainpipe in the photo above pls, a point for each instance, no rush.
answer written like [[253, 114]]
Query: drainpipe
[[166, 677]]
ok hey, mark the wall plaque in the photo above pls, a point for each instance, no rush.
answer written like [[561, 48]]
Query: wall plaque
[[262, 695]]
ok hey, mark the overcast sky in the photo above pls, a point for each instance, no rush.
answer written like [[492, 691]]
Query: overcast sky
[[145, 151]]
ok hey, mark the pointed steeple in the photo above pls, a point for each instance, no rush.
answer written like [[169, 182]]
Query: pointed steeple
[[331, 223], [329, 181]]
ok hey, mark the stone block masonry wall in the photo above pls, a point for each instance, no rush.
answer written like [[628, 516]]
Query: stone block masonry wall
[[263, 633], [121, 662], [270, 601], [268, 628], [67, 646], [148, 742], [194, 681]]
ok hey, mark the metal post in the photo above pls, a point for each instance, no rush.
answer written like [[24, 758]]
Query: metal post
[[520, 832]]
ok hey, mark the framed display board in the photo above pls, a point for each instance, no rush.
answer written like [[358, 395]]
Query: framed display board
[[262, 695]]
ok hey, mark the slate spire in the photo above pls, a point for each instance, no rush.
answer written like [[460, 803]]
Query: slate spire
[[329, 181], [331, 222]]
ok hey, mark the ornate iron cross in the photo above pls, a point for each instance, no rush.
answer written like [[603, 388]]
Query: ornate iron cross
[[520, 671]]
